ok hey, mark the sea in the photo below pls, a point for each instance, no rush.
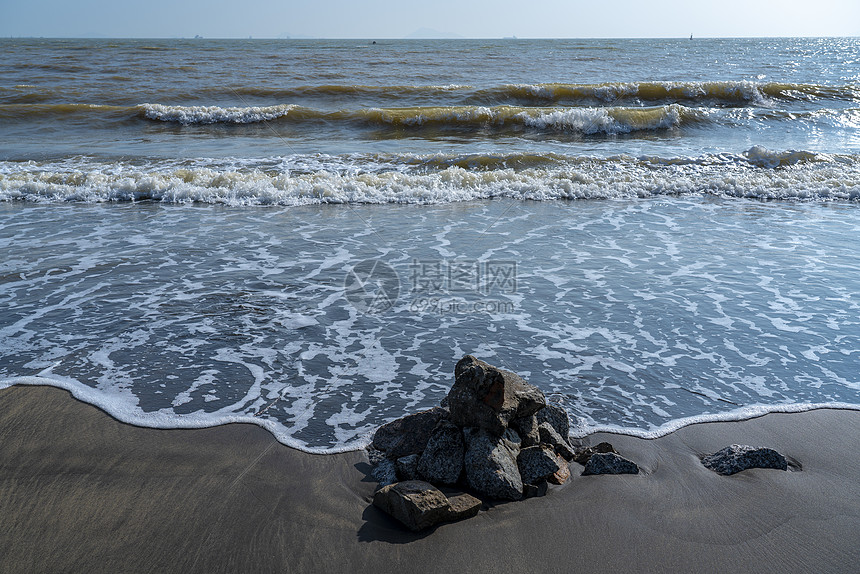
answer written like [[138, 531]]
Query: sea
[[308, 234]]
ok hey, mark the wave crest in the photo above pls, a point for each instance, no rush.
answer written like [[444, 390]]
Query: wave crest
[[730, 93], [187, 115], [440, 179], [581, 120]]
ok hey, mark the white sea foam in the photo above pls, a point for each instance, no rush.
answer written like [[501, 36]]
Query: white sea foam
[[125, 410], [607, 121], [187, 115], [715, 305], [732, 91], [580, 428], [405, 180]]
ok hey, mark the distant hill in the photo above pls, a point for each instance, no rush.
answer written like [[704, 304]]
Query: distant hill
[[430, 33]]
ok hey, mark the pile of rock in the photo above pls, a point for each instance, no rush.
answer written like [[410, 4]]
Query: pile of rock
[[494, 433], [496, 436]]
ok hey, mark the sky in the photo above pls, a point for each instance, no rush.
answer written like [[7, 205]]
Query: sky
[[399, 19]]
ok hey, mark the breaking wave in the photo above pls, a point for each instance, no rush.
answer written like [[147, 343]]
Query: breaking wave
[[709, 93], [582, 120], [410, 178], [725, 93], [720, 93], [213, 114]]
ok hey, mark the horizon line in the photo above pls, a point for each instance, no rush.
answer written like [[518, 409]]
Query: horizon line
[[398, 38]]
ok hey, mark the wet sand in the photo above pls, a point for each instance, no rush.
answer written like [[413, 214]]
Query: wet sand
[[81, 492]]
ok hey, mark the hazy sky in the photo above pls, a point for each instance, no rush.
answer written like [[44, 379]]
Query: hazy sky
[[397, 19]]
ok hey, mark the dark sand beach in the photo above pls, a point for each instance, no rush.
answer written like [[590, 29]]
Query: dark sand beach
[[81, 492]]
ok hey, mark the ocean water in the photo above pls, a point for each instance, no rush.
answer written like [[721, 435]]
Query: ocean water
[[308, 235]]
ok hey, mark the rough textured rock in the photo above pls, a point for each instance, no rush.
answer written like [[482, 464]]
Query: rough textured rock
[[415, 503], [609, 463], [489, 398], [550, 437], [409, 434], [385, 472], [463, 506], [563, 474], [536, 464], [491, 463], [442, 460], [557, 418], [582, 455], [527, 428], [736, 458], [407, 467], [374, 456]]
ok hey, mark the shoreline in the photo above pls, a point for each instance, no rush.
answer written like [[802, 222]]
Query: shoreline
[[94, 398], [81, 491]]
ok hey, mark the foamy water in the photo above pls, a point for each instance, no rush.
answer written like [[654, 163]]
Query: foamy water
[[637, 316], [653, 232], [409, 178]]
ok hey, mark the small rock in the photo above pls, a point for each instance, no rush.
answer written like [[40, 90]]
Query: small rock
[[550, 437], [385, 472], [536, 464], [407, 467], [609, 463], [407, 435], [374, 455], [491, 463], [527, 428], [463, 506], [415, 503], [562, 475], [557, 417], [442, 460], [489, 398], [736, 458], [584, 454]]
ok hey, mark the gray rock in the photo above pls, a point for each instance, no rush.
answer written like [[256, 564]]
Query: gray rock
[[536, 464], [463, 506], [736, 458], [563, 473], [374, 456], [489, 398], [385, 472], [407, 467], [557, 417], [582, 455], [491, 463], [527, 428], [550, 437], [415, 503], [409, 434], [609, 463], [442, 460]]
